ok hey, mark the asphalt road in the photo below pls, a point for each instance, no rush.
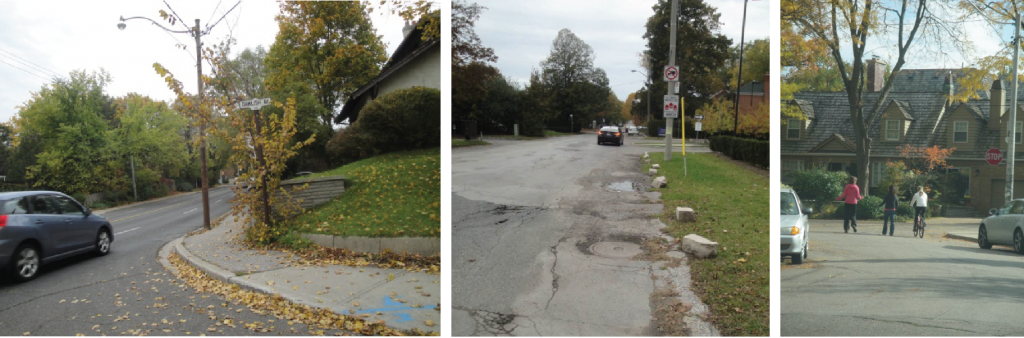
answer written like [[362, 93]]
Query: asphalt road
[[525, 218], [864, 284], [128, 292]]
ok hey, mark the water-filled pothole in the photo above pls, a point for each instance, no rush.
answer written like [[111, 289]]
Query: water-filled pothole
[[622, 186]]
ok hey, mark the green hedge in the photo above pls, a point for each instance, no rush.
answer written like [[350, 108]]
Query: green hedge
[[870, 207], [747, 150], [404, 119]]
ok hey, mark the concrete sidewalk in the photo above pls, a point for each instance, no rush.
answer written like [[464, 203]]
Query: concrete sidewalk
[[955, 228], [403, 300]]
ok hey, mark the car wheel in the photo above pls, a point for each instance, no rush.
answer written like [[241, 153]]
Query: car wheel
[[620, 143], [25, 263], [103, 243], [798, 258], [983, 238], [1018, 241]]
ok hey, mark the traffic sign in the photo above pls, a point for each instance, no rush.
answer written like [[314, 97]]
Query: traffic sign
[[671, 73], [254, 104], [994, 156], [671, 106], [698, 117], [696, 126]]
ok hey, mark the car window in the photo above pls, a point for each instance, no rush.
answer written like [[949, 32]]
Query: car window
[[788, 204], [67, 206], [1018, 208], [14, 206], [43, 204]]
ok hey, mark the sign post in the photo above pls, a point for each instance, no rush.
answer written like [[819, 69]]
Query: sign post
[[255, 105], [671, 70]]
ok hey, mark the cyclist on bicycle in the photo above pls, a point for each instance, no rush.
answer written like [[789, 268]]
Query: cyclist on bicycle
[[920, 204]]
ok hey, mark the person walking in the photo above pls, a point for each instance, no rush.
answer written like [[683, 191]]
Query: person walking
[[920, 204], [890, 203], [851, 194]]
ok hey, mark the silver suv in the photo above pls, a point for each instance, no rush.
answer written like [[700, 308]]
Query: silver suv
[[39, 227]]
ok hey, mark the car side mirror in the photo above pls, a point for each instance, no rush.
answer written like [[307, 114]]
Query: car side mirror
[[993, 212], [88, 212], [808, 210]]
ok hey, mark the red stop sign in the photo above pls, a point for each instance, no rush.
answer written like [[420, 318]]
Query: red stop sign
[[994, 156]]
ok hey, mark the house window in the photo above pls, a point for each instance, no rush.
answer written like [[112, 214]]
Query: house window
[[793, 129], [789, 166], [877, 172], [960, 131], [892, 130]]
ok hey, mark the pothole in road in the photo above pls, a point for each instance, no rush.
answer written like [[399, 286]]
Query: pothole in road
[[622, 186], [615, 249]]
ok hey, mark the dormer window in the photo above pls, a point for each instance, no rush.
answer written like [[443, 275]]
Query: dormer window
[[793, 129], [892, 130], [960, 132]]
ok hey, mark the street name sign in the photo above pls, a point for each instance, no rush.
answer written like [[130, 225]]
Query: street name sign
[[994, 156], [254, 104]]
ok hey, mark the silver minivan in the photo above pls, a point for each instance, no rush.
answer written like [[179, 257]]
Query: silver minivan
[[39, 227]]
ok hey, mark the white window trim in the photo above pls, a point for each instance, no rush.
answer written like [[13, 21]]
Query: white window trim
[[793, 125], [895, 123], [967, 127], [877, 173]]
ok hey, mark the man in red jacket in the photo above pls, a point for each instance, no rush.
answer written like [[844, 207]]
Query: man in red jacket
[[850, 194]]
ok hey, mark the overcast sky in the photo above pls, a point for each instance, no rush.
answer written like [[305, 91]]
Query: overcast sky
[[521, 32], [45, 37]]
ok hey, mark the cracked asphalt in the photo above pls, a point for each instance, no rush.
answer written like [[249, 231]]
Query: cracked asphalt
[[864, 284], [524, 216]]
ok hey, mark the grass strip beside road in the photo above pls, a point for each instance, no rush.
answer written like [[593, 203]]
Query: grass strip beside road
[[390, 195], [732, 209]]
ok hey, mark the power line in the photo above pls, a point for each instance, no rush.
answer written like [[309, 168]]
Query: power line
[[214, 11], [210, 27], [22, 69], [37, 67]]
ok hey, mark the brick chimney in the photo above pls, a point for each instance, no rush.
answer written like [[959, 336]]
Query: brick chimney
[[876, 75], [409, 27], [947, 85], [767, 92], [996, 106]]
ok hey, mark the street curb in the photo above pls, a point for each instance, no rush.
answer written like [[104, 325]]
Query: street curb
[[224, 275], [962, 237]]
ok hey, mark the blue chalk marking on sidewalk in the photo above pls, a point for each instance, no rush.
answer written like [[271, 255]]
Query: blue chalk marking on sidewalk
[[391, 305]]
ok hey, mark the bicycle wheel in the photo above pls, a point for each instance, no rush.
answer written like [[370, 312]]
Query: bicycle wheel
[[916, 220], [922, 228]]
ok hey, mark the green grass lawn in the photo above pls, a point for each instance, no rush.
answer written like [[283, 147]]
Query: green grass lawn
[[390, 195], [552, 133], [732, 209], [464, 143]]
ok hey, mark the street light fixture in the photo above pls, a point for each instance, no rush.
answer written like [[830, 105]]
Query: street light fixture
[[197, 34], [646, 78]]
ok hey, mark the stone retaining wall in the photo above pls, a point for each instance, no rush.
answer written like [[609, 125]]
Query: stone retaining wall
[[321, 189], [426, 246]]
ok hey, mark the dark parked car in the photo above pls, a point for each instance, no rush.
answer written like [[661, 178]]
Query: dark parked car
[[610, 135], [39, 227]]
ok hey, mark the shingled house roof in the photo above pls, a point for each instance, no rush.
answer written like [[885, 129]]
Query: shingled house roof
[[919, 96]]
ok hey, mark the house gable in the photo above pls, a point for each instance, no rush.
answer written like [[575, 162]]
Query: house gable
[[834, 144], [896, 119]]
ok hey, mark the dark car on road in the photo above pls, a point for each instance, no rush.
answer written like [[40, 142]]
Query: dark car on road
[[39, 227], [610, 135]]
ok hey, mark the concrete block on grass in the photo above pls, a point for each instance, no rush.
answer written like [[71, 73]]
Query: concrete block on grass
[[656, 166], [685, 214], [659, 182], [652, 172], [699, 246]]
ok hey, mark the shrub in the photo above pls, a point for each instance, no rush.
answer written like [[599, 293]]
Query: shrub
[[827, 211], [404, 119], [905, 210], [184, 186], [80, 197], [748, 150], [819, 184], [99, 205], [870, 208]]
